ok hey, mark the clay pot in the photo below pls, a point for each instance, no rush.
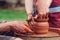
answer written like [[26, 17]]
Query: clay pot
[[39, 27]]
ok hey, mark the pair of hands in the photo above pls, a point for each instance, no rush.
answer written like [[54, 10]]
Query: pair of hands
[[38, 17]]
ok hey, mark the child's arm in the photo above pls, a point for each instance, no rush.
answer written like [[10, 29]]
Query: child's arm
[[29, 7], [43, 6]]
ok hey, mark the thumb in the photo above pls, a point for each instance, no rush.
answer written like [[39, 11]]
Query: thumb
[[29, 18], [36, 17]]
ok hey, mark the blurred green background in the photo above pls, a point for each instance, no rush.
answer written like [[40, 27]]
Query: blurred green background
[[12, 15], [8, 12]]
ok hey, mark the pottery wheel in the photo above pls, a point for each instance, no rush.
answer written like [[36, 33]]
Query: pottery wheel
[[53, 32]]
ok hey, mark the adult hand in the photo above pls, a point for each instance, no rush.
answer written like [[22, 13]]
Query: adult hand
[[4, 27], [19, 27], [15, 26]]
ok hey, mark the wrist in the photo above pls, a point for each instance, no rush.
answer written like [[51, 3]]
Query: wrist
[[29, 14]]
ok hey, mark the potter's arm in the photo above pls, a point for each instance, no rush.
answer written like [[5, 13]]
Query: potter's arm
[[16, 26], [4, 27]]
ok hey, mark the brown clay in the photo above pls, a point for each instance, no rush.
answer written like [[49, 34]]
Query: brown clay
[[39, 25], [52, 32]]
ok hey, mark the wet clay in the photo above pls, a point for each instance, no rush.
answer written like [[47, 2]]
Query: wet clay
[[42, 30], [39, 25]]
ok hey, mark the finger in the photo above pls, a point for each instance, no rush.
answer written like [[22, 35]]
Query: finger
[[29, 17], [28, 29], [18, 29], [23, 31], [43, 16], [36, 17], [39, 16], [47, 16], [26, 24]]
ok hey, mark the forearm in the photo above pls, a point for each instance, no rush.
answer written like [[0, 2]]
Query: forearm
[[43, 6], [4, 27], [29, 6]]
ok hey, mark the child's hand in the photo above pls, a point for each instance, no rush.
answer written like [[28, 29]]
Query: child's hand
[[29, 16]]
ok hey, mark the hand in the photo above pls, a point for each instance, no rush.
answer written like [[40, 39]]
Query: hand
[[29, 16], [4, 27], [40, 17], [19, 27]]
